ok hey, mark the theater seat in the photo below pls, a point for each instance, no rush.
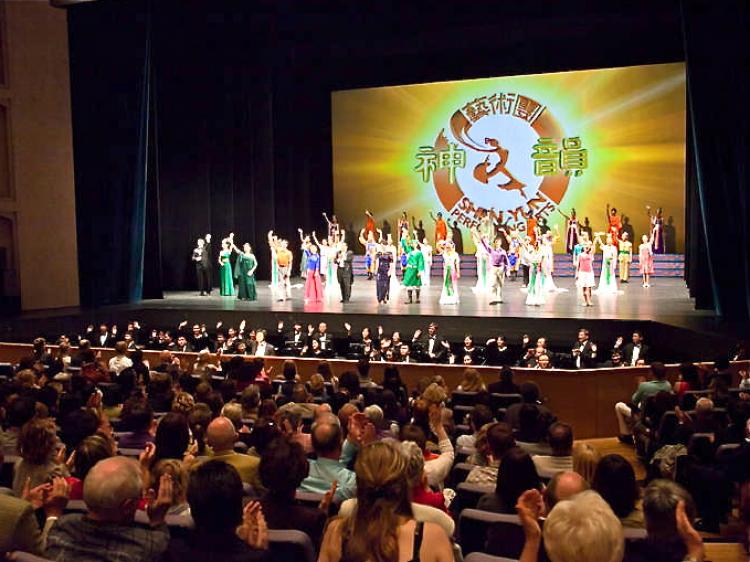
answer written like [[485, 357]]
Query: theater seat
[[26, 557], [7, 470], [461, 398], [290, 546], [458, 474], [132, 453], [494, 533], [482, 557], [498, 400], [467, 495]]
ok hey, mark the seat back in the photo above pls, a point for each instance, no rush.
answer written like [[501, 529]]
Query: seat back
[[458, 474], [460, 413], [493, 533], [132, 453], [482, 557], [498, 400], [463, 453], [462, 398], [290, 546], [7, 470], [19, 556], [468, 495]]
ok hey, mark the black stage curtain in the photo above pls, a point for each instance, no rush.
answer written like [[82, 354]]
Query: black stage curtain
[[238, 108], [717, 47]]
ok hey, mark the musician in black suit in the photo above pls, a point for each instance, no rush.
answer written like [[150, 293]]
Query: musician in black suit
[[202, 259], [584, 351], [260, 347], [345, 273], [636, 351], [432, 348]]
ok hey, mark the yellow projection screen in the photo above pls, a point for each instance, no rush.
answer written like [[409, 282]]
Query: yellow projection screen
[[536, 145]]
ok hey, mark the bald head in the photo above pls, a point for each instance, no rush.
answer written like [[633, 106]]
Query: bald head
[[326, 437], [221, 434], [112, 489], [563, 486]]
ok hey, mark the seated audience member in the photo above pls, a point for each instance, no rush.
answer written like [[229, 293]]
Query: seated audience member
[[531, 432], [580, 529], [20, 410], [183, 403], [563, 486], [363, 369], [479, 417], [645, 390], [544, 362], [669, 513], [636, 352], [530, 394], [420, 492], [283, 467], [585, 460], [328, 467], [18, 526], [120, 361], [107, 532], [178, 473], [90, 451], [221, 437], [223, 530], [160, 393], [172, 437], [472, 382], [375, 414], [707, 483], [437, 466], [614, 480], [233, 412], [138, 418], [392, 381], [505, 385], [382, 525], [560, 440], [41, 459], [289, 419], [498, 354], [517, 474], [706, 419], [499, 440]]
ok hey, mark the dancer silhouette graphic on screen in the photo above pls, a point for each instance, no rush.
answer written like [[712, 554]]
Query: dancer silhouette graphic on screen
[[483, 174]]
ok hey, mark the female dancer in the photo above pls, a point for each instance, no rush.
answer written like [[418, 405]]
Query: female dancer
[[625, 257], [327, 251], [483, 260], [646, 259], [572, 233], [535, 294], [546, 246], [657, 230], [585, 272], [426, 250], [304, 241], [608, 277], [614, 224], [333, 227], [441, 228], [403, 222], [395, 285], [367, 239], [384, 265], [313, 286], [369, 225], [273, 243], [226, 284], [451, 274], [514, 251], [244, 272]]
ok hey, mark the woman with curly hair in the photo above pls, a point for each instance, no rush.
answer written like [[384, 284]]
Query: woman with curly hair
[[41, 459]]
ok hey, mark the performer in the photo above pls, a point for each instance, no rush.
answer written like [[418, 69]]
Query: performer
[[426, 250], [385, 260], [499, 265], [625, 257], [202, 266], [535, 294], [441, 228], [657, 230], [403, 222], [313, 285], [482, 255], [333, 227], [395, 285], [418, 228], [614, 224], [546, 247], [451, 275], [244, 272], [486, 227], [414, 269], [646, 259], [345, 271], [370, 227], [273, 244], [371, 247], [284, 262], [585, 271], [608, 277], [572, 232], [226, 286], [514, 250], [457, 238], [304, 241], [578, 249]]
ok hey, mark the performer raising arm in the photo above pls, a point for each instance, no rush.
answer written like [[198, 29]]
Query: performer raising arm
[[499, 265], [657, 230], [451, 274], [646, 259], [585, 270], [441, 229], [333, 227], [614, 224], [244, 272], [625, 257], [414, 269]]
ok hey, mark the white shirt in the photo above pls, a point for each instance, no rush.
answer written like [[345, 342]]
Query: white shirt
[[437, 470], [430, 344], [119, 363], [260, 350], [636, 354]]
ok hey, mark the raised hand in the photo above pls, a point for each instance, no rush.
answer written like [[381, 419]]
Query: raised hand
[[529, 507], [158, 505], [147, 456], [325, 503], [254, 530], [56, 497], [688, 534]]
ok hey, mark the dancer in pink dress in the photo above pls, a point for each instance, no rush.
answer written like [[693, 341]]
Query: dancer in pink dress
[[646, 259], [585, 272]]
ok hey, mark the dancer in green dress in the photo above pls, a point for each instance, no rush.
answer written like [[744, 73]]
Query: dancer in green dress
[[244, 272], [226, 283], [414, 268]]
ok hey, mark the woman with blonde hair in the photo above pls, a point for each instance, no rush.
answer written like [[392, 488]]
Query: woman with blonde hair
[[585, 459], [472, 382], [382, 528]]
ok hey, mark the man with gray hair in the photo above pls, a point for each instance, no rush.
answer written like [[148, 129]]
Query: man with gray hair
[[107, 533]]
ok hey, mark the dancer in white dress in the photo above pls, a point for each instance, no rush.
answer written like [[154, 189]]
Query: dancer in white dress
[[608, 276], [535, 293], [546, 247], [427, 254], [451, 274], [483, 261]]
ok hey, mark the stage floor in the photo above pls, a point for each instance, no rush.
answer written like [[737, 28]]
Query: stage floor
[[667, 300]]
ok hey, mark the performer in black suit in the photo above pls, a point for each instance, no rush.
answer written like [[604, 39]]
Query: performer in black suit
[[636, 351], [202, 259], [345, 272], [584, 351], [432, 348]]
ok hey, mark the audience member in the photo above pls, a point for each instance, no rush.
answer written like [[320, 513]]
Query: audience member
[[41, 456], [329, 465], [499, 440], [221, 437], [517, 474], [614, 480], [560, 439], [562, 486], [479, 417], [645, 389], [585, 460]]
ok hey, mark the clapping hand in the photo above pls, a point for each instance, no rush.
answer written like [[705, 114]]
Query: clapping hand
[[325, 503], [254, 530], [529, 507], [158, 504], [310, 329], [688, 534], [347, 326]]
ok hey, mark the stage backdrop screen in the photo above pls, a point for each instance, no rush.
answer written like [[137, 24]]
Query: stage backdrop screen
[[536, 145]]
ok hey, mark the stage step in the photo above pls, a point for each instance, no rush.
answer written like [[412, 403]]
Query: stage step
[[665, 265]]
